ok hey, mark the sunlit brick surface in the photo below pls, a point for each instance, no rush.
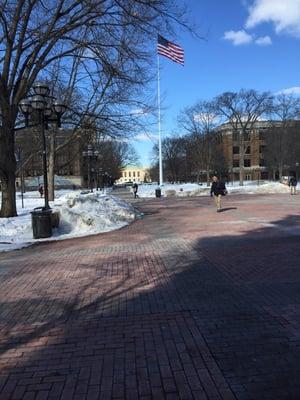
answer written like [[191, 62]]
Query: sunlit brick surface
[[183, 304]]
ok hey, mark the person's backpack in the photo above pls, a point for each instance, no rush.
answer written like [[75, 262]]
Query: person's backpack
[[223, 189]]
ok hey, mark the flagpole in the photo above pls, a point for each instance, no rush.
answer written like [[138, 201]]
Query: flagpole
[[159, 125]]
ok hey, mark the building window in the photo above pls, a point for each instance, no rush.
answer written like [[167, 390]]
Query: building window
[[248, 150], [247, 162], [262, 162], [129, 174], [247, 135], [262, 134], [133, 173], [125, 174], [236, 150], [138, 174], [236, 163], [262, 148], [235, 135], [248, 177]]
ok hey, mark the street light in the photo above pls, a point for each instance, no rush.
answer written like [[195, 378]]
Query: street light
[[297, 167], [41, 88], [41, 103], [90, 155], [47, 111], [21, 174]]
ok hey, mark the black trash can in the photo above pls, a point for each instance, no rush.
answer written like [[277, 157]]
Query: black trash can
[[158, 192], [41, 223]]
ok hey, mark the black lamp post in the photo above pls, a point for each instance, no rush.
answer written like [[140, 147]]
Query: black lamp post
[[21, 174], [42, 103], [106, 175], [90, 155], [297, 169], [101, 179]]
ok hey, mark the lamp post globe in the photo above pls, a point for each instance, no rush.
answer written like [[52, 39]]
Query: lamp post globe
[[38, 102], [48, 111], [59, 107], [41, 88], [25, 106]]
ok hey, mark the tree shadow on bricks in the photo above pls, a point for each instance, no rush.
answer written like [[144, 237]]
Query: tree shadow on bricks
[[214, 319]]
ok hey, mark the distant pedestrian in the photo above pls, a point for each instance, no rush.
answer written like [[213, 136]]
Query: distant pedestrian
[[217, 190], [135, 189], [293, 184], [41, 190]]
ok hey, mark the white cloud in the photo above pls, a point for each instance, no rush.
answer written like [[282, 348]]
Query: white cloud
[[264, 41], [146, 137], [204, 117], [238, 37], [139, 111], [242, 37], [292, 90], [284, 14]]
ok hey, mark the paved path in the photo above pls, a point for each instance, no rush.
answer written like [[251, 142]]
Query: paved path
[[183, 304]]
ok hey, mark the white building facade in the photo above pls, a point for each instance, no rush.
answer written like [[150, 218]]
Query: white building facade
[[134, 174]]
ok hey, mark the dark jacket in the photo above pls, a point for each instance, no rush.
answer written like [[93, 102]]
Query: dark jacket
[[135, 187], [218, 188], [293, 181]]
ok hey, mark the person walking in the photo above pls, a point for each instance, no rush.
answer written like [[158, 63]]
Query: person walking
[[135, 189], [41, 190], [293, 184], [217, 190]]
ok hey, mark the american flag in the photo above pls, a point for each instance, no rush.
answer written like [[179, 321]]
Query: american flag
[[170, 50]]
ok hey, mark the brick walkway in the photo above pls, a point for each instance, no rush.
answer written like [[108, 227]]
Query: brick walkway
[[183, 304]]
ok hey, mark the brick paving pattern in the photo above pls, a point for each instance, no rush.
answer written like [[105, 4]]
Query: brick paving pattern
[[183, 304]]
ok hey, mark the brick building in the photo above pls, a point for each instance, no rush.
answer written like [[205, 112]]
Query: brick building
[[68, 160], [254, 164]]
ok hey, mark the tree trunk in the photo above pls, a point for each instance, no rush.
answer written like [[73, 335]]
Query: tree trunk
[[207, 176], [241, 176], [51, 166], [280, 170], [8, 168], [241, 158], [8, 205]]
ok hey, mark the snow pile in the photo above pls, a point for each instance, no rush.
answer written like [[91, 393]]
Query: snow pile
[[193, 189], [80, 215], [169, 190], [85, 214], [269, 187]]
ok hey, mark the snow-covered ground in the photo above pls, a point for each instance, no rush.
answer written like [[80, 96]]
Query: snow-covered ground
[[80, 215], [193, 189], [92, 213]]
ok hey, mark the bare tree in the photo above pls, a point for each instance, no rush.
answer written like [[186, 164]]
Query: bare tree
[[175, 159], [242, 110], [35, 34], [200, 122], [115, 156], [282, 139]]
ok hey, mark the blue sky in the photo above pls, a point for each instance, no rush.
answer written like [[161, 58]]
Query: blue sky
[[248, 44]]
